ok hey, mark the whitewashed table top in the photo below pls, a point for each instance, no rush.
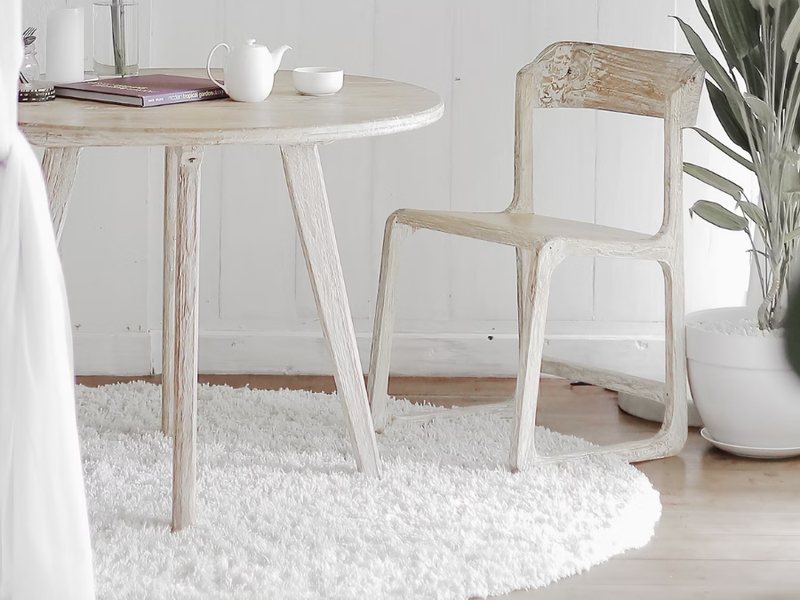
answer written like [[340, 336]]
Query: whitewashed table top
[[366, 106]]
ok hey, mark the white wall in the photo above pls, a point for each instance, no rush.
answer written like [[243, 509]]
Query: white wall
[[457, 300]]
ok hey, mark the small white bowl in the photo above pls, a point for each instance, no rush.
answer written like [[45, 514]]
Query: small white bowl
[[317, 81]]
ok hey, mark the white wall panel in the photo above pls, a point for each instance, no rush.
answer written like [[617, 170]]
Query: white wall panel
[[347, 165], [630, 167], [257, 239], [182, 32], [492, 42], [564, 159], [105, 246], [256, 305], [717, 265], [413, 169]]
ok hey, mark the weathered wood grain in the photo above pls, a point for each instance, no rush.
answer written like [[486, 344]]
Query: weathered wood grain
[[378, 379], [315, 228], [365, 107], [627, 80], [189, 159], [171, 172], [535, 271], [573, 75], [60, 165]]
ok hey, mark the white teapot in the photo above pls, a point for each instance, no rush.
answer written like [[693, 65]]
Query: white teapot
[[249, 70]]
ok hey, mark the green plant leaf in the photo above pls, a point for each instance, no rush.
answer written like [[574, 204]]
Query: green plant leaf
[[761, 109], [730, 120], [710, 178], [711, 64], [738, 25], [718, 215], [791, 157], [790, 179], [755, 212], [710, 25], [792, 34], [780, 23], [759, 4], [720, 146], [791, 235]]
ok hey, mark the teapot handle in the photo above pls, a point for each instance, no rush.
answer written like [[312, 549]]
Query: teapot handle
[[208, 65]]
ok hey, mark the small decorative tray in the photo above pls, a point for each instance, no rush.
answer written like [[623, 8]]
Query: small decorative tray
[[37, 93]]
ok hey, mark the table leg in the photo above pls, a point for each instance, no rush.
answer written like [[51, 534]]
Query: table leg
[[315, 228], [188, 161], [171, 167], [60, 166]]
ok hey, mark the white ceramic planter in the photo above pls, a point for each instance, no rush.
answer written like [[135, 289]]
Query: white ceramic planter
[[742, 385]]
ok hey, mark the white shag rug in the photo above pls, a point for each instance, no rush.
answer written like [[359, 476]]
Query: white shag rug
[[282, 513]]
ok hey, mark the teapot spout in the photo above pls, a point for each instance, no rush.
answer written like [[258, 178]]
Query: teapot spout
[[277, 57]]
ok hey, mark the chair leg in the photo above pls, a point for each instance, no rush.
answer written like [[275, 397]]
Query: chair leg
[[534, 270], [524, 259], [378, 380], [673, 433], [675, 428]]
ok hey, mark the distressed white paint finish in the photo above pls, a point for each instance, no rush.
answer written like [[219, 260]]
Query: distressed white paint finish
[[60, 165], [382, 332], [534, 271], [184, 324], [572, 75], [367, 107], [172, 158], [315, 229]]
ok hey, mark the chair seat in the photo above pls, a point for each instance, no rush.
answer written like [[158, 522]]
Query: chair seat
[[517, 229]]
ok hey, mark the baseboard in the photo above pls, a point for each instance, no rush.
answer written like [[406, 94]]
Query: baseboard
[[442, 355], [112, 353]]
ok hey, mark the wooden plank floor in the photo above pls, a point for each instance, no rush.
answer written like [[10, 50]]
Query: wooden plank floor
[[730, 528]]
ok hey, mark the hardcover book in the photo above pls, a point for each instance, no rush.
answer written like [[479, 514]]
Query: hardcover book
[[143, 90]]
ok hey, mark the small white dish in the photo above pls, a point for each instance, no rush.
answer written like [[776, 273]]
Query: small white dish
[[317, 81], [749, 452]]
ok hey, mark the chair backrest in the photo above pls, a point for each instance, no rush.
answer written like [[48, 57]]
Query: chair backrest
[[627, 80]]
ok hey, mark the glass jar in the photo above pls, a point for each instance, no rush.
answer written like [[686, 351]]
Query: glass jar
[[115, 43], [30, 65]]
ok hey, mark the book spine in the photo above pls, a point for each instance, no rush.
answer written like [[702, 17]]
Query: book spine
[[180, 97]]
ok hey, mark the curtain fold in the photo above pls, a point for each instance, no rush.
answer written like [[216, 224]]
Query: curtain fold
[[45, 550]]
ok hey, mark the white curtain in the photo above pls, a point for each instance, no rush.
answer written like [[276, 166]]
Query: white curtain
[[45, 551]]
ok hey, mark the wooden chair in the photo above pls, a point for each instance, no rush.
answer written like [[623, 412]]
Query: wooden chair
[[571, 75]]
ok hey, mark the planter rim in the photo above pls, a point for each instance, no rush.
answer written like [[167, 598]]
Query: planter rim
[[736, 350]]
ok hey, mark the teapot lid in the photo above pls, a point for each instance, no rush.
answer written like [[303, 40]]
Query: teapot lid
[[253, 44]]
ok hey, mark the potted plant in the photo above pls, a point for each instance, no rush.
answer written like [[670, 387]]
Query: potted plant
[[746, 394]]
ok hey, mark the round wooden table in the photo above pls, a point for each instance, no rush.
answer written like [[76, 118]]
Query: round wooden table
[[365, 107]]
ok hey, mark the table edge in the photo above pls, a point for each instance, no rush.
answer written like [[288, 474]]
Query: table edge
[[66, 136]]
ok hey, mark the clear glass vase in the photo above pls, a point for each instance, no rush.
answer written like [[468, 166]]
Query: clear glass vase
[[115, 48], [30, 65]]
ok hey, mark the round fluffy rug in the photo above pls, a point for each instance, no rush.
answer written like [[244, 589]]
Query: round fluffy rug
[[282, 513]]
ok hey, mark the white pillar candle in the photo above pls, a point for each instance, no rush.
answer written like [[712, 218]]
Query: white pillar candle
[[64, 52]]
